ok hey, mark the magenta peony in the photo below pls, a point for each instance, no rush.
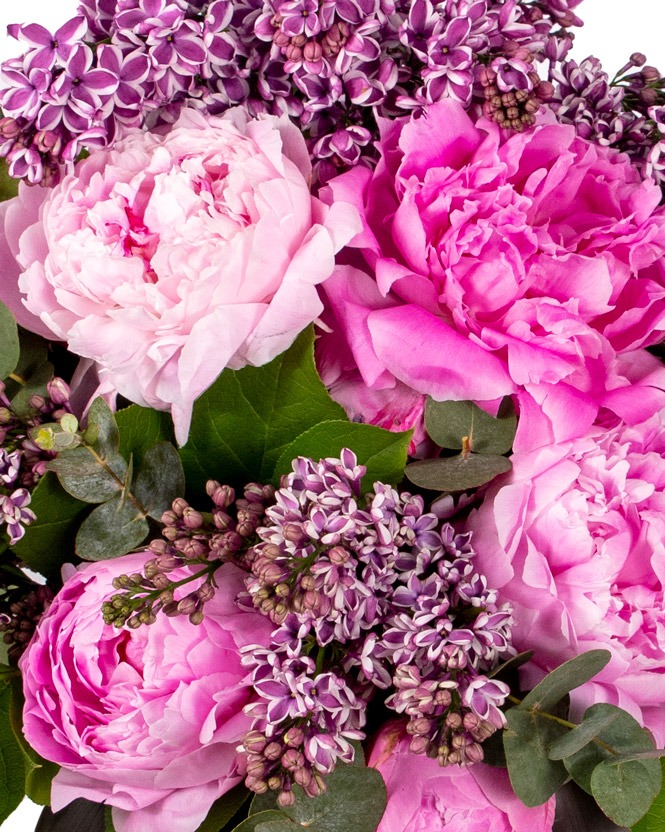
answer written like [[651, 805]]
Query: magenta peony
[[175, 255], [574, 537], [146, 720], [424, 797], [491, 265]]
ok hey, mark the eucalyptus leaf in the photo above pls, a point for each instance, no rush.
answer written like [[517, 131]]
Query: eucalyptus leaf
[[448, 422], [140, 429], [12, 770], [654, 820], [160, 480], [624, 792], [563, 679], [510, 664], [271, 820], [457, 473], [112, 529], [101, 422], [587, 731], [87, 477], [526, 742], [243, 423], [49, 540], [383, 452], [9, 342]]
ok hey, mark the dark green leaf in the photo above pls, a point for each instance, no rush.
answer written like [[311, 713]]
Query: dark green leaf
[[511, 664], [160, 480], [9, 343], [245, 421], [101, 423], [526, 741], [448, 422], [621, 736], [271, 820], [141, 428], [566, 677], [87, 477], [654, 820], [224, 808], [382, 452], [12, 772], [108, 819], [576, 739], [8, 185], [49, 541], [457, 473], [111, 530], [78, 816], [33, 353], [34, 386], [624, 792]]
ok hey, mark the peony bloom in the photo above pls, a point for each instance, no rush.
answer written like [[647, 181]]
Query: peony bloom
[[146, 720], [174, 255], [490, 266], [574, 538], [424, 797]]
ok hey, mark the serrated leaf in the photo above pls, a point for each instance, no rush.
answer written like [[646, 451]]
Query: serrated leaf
[[654, 820], [244, 422], [49, 540], [83, 476], [624, 792], [526, 740], [111, 530], [107, 435], [9, 343], [457, 473], [140, 429], [12, 771], [623, 735], [383, 453], [224, 808], [563, 679], [160, 480], [34, 386], [270, 820], [575, 740], [448, 422]]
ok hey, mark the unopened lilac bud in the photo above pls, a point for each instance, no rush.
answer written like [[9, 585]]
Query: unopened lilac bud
[[302, 776], [206, 592], [419, 744], [255, 767], [192, 518], [191, 548], [275, 782], [650, 74], [160, 580], [307, 583], [254, 742], [294, 533], [187, 605], [474, 753], [272, 751], [286, 798], [9, 128], [638, 59], [293, 759], [454, 721], [179, 505], [294, 737], [222, 520], [58, 391], [338, 555]]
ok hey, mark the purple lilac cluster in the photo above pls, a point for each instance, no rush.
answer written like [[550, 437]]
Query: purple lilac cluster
[[333, 67], [22, 461], [365, 594], [626, 112], [192, 540]]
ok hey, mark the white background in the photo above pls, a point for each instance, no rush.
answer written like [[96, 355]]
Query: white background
[[613, 30]]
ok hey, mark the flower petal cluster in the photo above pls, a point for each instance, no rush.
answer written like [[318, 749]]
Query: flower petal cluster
[[176, 254], [573, 537], [493, 265], [145, 720]]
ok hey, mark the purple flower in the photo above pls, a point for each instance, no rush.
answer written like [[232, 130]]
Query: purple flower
[[48, 49], [15, 515]]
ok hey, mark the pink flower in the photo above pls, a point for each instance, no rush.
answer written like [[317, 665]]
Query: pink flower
[[424, 797], [172, 256], [489, 266], [574, 539], [146, 720]]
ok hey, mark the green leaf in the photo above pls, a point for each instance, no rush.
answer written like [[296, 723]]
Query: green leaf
[[34, 386], [141, 428], [654, 820], [526, 741], [563, 679], [383, 453], [108, 819], [8, 185], [457, 473], [355, 799], [33, 354], [447, 422], [86, 477], [272, 820], [224, 808], [244, 422], [49, 541], [12, 771], [9, 343], [111, 530], [102, 431], [621, 736], [588, 730], [160, 480], [624, 792]]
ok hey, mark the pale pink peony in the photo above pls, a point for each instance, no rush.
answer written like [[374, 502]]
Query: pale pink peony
[[424, 797], [490, 266], [174, 255], [147, 721], [574, 538]]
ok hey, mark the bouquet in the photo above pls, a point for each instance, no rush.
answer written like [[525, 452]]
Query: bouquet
[[332, 460]]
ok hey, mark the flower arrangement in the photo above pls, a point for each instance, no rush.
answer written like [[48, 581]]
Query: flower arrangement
[[332, 420]]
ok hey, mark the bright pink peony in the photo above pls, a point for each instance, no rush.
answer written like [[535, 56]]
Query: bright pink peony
[[424, 797], [574, 538], [175, 255], [488, 266], [147, 720]]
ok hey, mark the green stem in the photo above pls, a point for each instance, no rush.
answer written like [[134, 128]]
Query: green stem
[[103, 464]]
